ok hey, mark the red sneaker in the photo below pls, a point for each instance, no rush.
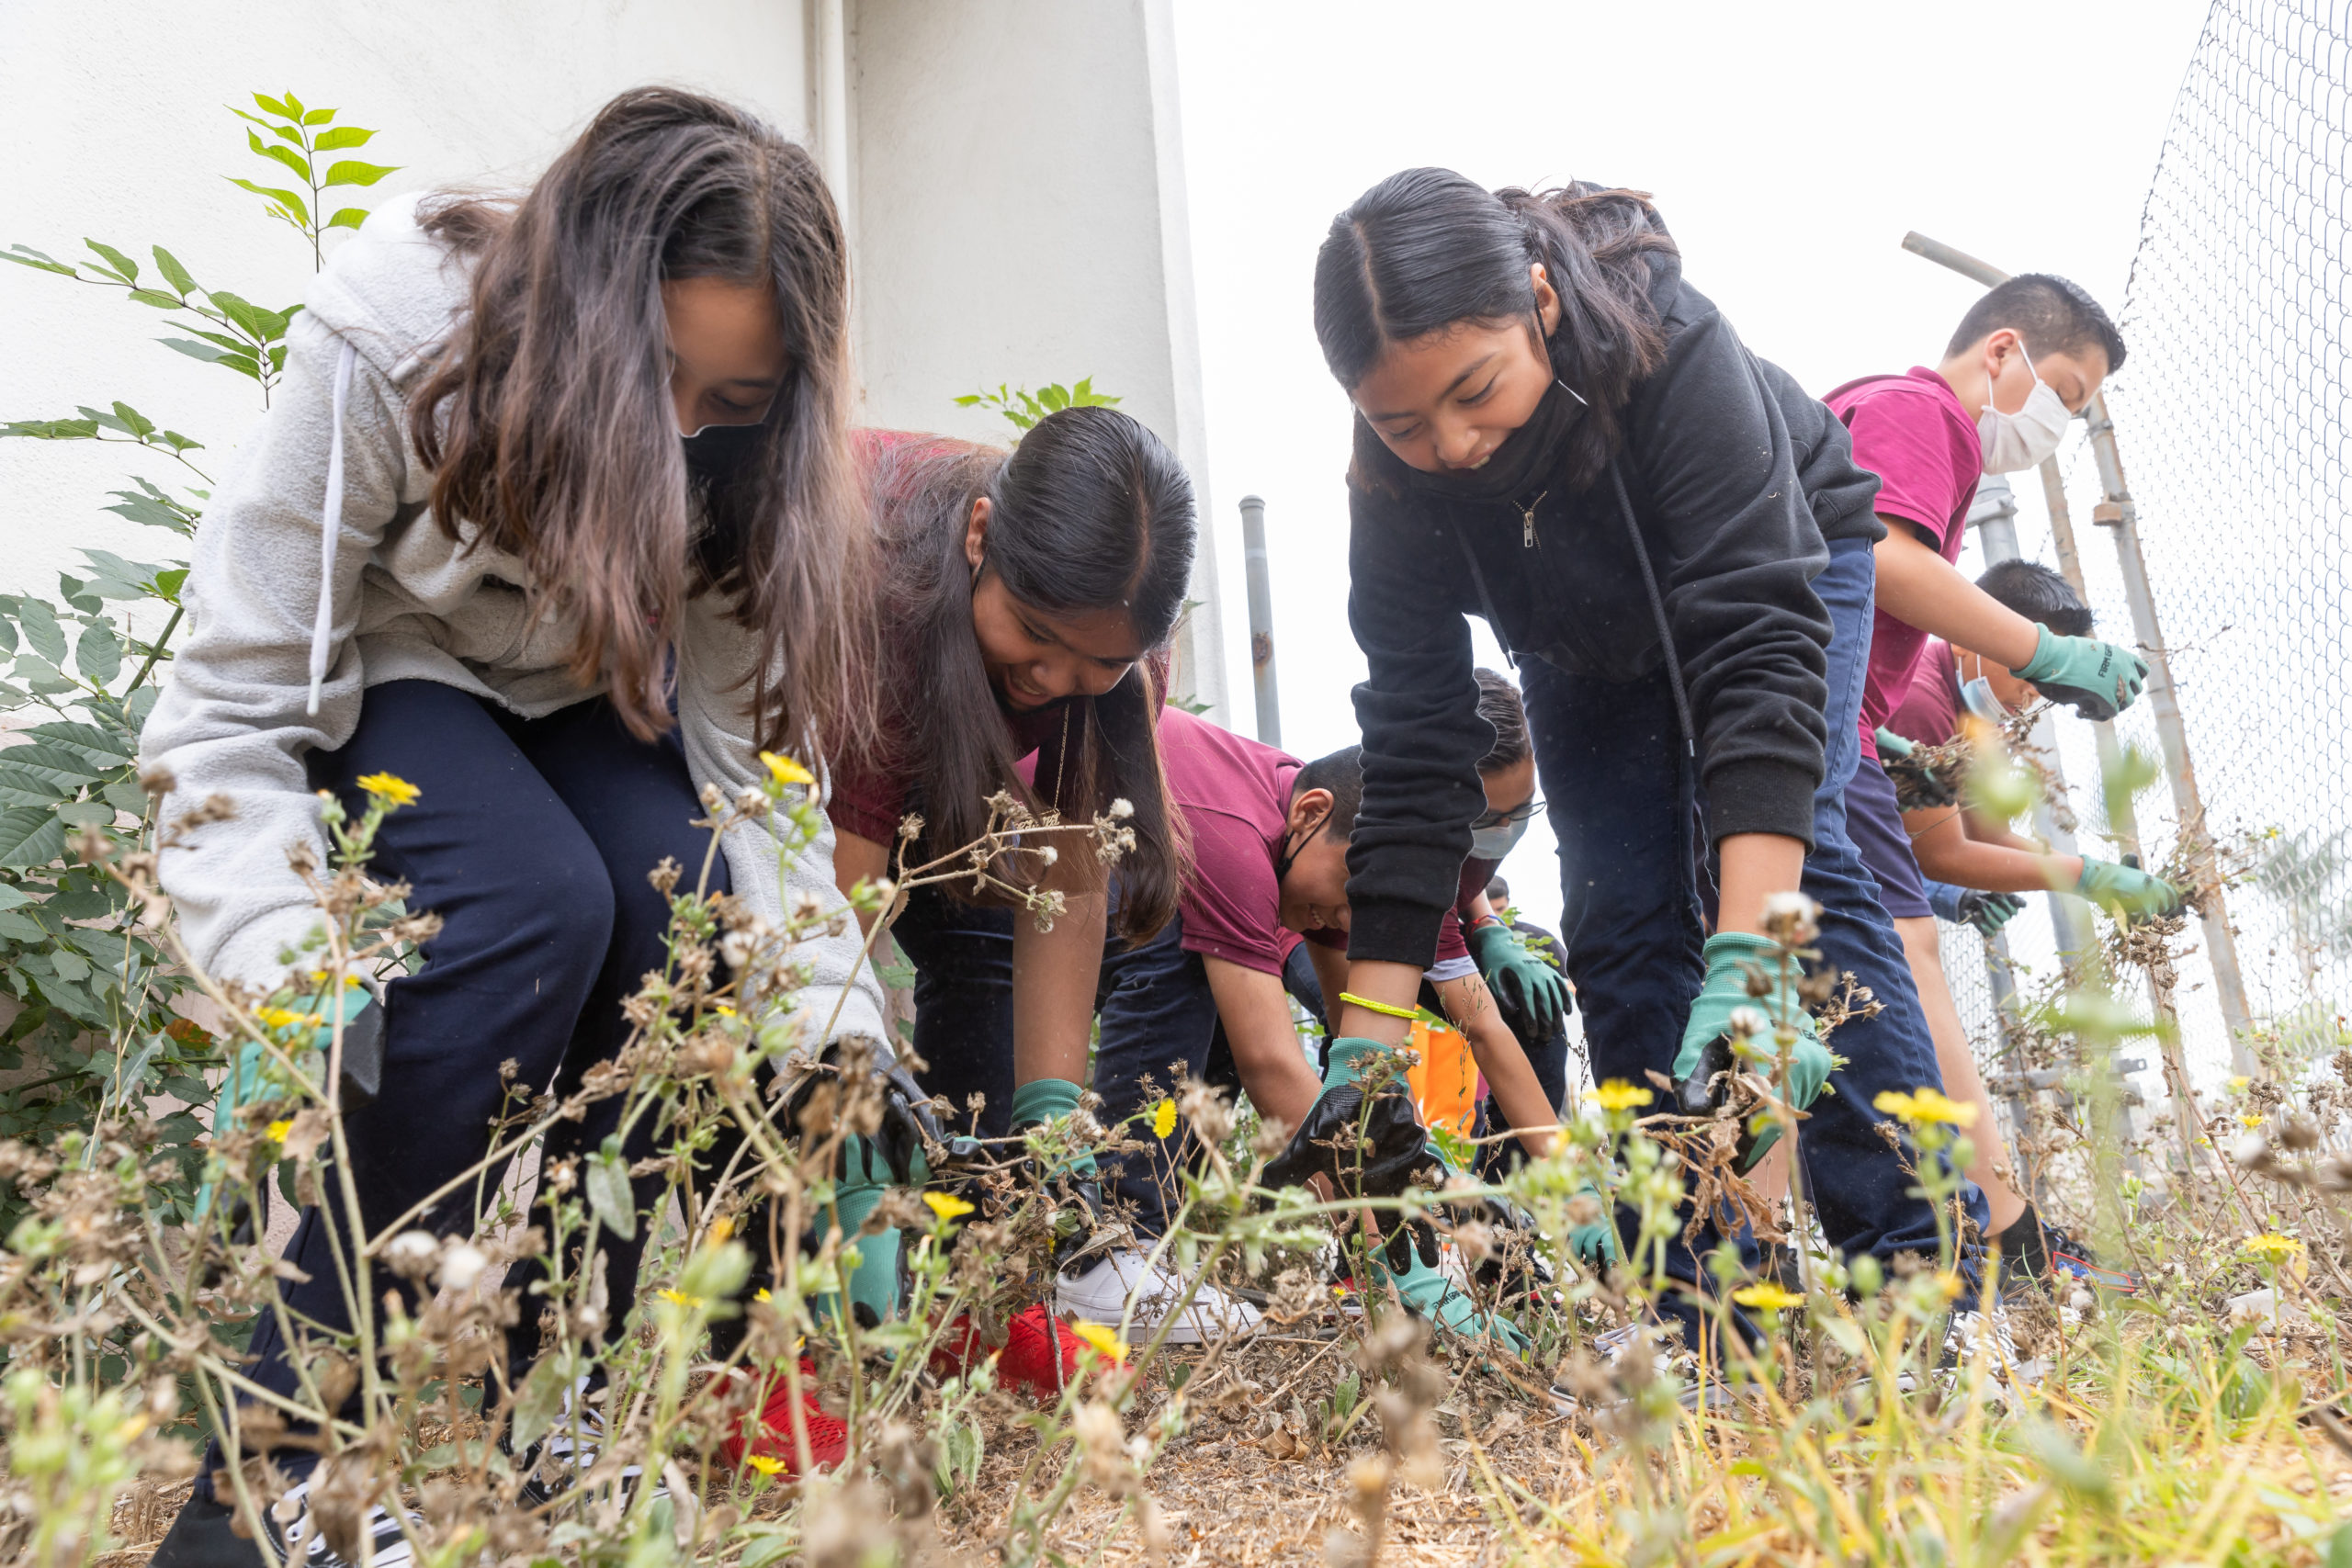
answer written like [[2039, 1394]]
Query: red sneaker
[[763, 1438], [1040, 1353]]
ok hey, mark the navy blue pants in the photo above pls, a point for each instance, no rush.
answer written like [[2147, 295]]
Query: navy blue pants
[[531, 838], [1623, 804], [1157, 1023]]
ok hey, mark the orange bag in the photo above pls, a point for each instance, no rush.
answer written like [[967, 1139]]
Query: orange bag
[[1445, 1084]]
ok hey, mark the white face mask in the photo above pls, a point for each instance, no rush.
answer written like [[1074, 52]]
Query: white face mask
[[1977, 697], [2015, 442]]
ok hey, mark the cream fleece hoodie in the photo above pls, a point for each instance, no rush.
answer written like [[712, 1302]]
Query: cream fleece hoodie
[[320, 571]]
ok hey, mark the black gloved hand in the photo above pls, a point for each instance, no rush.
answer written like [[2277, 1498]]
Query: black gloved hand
[[909, 1137], [1988, 912], [1378, 1163]]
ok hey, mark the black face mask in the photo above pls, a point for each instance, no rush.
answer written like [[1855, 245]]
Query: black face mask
[[718, 455], [1285, 857]]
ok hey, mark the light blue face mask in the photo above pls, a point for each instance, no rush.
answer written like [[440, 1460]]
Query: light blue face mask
[[1495, 842], [1977, 697]]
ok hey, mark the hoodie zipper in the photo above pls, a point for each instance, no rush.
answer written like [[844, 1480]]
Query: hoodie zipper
[[1527, 520]]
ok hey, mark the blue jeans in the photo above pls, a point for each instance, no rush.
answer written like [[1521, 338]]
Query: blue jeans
[[1624, 806]]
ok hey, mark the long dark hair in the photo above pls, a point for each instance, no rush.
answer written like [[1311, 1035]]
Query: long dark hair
[[1425, 249], [1089, 513], [547, 420]]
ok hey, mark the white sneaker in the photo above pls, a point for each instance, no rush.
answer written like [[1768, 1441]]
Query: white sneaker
[[558, 1460], [1100, 1294]]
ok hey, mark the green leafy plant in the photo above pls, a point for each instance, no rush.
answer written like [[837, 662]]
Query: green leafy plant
[[97, 1033], [1022, 409]]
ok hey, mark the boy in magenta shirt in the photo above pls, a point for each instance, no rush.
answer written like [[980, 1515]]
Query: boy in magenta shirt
[[2027, 358]]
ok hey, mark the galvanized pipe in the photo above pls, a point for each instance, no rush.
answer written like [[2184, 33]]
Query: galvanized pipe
[[2116, 512], [1261, 618]]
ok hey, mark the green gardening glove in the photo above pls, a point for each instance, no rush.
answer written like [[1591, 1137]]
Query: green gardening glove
[[1434, 1297], [1519, 977], [2128, 890], [1891, 744], [1595, 1243], [2097, 679], [1988, 912], [1706, 1039]]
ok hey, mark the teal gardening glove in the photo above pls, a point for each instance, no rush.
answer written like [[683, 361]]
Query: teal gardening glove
[[2128, 890], [1521, 980], [1706, 1038], [2097, 679]]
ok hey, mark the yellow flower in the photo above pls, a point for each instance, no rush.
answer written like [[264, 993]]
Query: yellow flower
[[2271, 1248], [1924, 1107], [785, 771], [1950, 1284], [1619, 1094], [764, 1464], [1102, 1339], [282, 1018], [1163, 1119], [391, 789], [2238, 1084], [2249, 1122], [945, 1206], [1766, 1296], [720, 1229], [680, 1298], [278, 1130], [763, 1294]]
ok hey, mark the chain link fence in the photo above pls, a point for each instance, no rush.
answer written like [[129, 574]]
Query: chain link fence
[[2231, 420]]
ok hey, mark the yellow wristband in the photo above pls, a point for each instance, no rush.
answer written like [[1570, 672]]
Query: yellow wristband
[[1408, 1014]]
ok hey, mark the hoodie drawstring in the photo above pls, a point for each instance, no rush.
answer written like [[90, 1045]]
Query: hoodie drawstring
[[330, 531]]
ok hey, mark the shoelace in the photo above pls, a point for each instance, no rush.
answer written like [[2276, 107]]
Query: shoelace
[[390, 1548]]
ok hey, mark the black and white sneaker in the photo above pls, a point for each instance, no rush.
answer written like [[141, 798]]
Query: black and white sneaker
[[1694, 1390], [204, 1536], [559, 1461]]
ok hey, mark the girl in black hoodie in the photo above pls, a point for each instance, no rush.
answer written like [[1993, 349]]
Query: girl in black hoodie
[[1556, 431]]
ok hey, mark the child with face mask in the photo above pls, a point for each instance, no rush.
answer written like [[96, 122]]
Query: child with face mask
[[1967, 850], [2025, 358], [1269, 838]]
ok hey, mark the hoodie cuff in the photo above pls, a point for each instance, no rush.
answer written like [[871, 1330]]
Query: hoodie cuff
[[1392, 931], [1761, 796]]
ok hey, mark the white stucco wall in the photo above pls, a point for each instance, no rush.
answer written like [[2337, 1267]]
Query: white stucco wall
[[115, 130], [1017, 177]]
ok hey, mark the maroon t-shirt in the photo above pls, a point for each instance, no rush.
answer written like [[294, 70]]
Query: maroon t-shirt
[[1235, 795], [1930, 712], [1911, 431]]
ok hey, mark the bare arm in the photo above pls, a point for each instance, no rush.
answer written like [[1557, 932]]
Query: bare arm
[[1255, 1011], [1509, 1076], [1948, 852], [1055, 974], [857, 860], [1755, 866], [1919, 588]]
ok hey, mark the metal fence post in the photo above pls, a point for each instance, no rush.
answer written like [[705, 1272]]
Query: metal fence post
[[2116, 512], [1261, 618]]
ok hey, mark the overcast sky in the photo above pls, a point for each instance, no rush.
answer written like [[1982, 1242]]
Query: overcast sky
[[1788, 147]]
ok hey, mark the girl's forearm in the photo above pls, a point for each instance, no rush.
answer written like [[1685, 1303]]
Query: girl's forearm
[[1755, 866], [1053, 978]]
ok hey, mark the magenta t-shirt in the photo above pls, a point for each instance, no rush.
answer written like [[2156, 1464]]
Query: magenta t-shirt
[[1911, 431], [1235, 795]]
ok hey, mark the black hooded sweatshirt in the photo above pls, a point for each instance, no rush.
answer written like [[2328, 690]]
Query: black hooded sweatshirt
[[1733, 480]]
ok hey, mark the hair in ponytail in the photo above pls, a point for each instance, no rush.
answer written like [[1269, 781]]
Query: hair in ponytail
[[1091, 511], [1427, 249]]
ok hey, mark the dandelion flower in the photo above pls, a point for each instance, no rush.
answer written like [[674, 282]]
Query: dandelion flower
[[947, 1206], [785, 771], [1619, 1094], [1766, 1296], [390, 788], [766, 1464], [278, 1130], [1925, 1107], [1102, 1339], [2271, 1248], [1163, 1119]]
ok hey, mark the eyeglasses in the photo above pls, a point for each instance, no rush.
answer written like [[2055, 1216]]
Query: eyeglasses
[[1511, 818]]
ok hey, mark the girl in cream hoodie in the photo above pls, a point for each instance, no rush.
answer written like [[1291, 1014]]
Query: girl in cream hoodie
[[470, 547]]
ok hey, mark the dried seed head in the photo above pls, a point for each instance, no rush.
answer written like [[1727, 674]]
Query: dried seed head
[[409, 1254]]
